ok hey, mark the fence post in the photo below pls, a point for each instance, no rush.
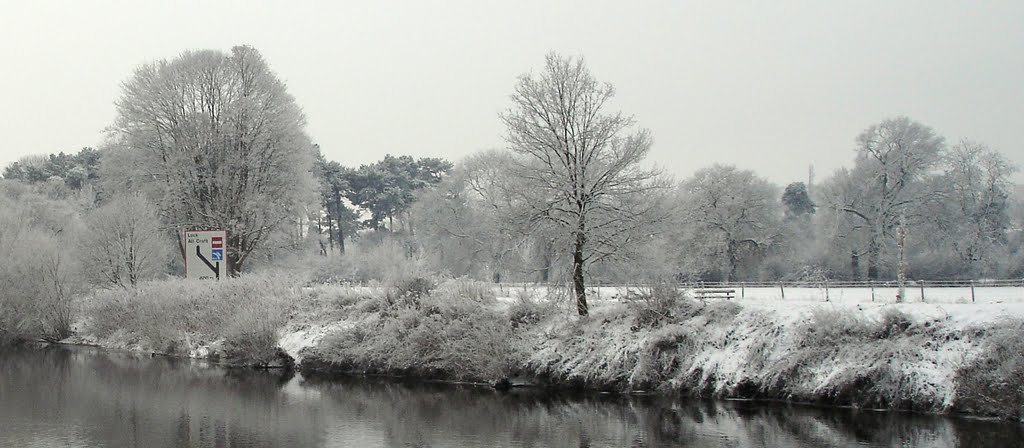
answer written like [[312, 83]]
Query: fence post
[[826, 291], [972, 290], [781, 288], [921, 284], [743, 293], [872, 290]]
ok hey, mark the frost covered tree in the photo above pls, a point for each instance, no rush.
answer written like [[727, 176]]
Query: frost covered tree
[[894, 158], [979, 189], [580, 163], [471, 222], [974, 212], [41, 273], [218, 142], [728, 214], [123, 243]]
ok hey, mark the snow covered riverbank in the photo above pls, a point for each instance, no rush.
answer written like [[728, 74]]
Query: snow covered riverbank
[[927, 357], [943, 358]]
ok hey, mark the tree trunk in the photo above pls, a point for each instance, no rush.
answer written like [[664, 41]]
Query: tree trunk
[[901, 275], [320, 231], [235, 256], [577, 273], [235, 262], [874, 254], [731, 258], [341, 239], [855, 265], [545, 269], [330, 233], [338, 219]]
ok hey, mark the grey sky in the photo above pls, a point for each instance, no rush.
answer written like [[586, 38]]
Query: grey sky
[[769, 86]]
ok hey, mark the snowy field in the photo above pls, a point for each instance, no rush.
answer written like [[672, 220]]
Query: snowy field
[[933, 295], [991, 305]]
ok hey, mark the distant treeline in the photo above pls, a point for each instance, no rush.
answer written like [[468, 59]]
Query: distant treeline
[[955, 204], [212, 139]]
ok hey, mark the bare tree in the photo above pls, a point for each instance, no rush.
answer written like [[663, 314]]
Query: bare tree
[[841, 233], [581, 164], [892, 157], [974, 211], [729, 213], [40, 274], [219, 143], [123, 242], [978, 191]]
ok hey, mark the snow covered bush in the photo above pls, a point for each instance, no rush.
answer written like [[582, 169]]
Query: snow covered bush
[[40, 276], [451, 331], [993, 384], [180, 316], [660, 303]]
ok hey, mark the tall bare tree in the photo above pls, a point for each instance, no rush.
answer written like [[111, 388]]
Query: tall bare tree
[[220, 143], [975, 190], [892, 159], [581, 163]]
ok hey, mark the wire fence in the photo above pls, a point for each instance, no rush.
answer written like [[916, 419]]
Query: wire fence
[[930, 291], [860, 284], [917, 291]]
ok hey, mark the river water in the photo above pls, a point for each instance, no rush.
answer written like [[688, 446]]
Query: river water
[[62, 396]]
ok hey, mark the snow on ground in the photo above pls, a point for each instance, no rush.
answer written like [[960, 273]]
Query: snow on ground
[[981, 294], [988, 301], [929, 366], [865, 350], [292, 340]]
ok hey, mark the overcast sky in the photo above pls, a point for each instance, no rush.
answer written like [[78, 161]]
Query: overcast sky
[[769, 86]]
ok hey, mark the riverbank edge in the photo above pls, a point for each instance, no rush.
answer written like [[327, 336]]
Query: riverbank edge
[[284, 362], [877, 358], [923, 358], [318, 369]]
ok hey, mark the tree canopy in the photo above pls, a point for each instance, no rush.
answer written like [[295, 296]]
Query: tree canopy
[[220, 143], [581, 163]]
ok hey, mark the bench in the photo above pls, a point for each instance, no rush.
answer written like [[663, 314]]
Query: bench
[[706, 293]]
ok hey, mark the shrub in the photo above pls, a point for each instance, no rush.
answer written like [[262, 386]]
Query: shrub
[[525, 312], [385, 262], [466, 288], [665, 348], [828, 328], [39, 281], [176, 316], [40, 275], [894, 323], [414, 288], [993, 383], [441, 334], [659, 304]]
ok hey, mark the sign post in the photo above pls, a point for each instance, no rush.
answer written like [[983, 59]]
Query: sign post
[[204, 254]]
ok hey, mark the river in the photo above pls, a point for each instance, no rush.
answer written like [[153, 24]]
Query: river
[[60, 396]]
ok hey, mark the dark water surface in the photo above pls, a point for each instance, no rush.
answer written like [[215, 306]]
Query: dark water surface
[[83, 397]]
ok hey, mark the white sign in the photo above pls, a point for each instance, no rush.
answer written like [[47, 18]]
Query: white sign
[[204, 254]]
